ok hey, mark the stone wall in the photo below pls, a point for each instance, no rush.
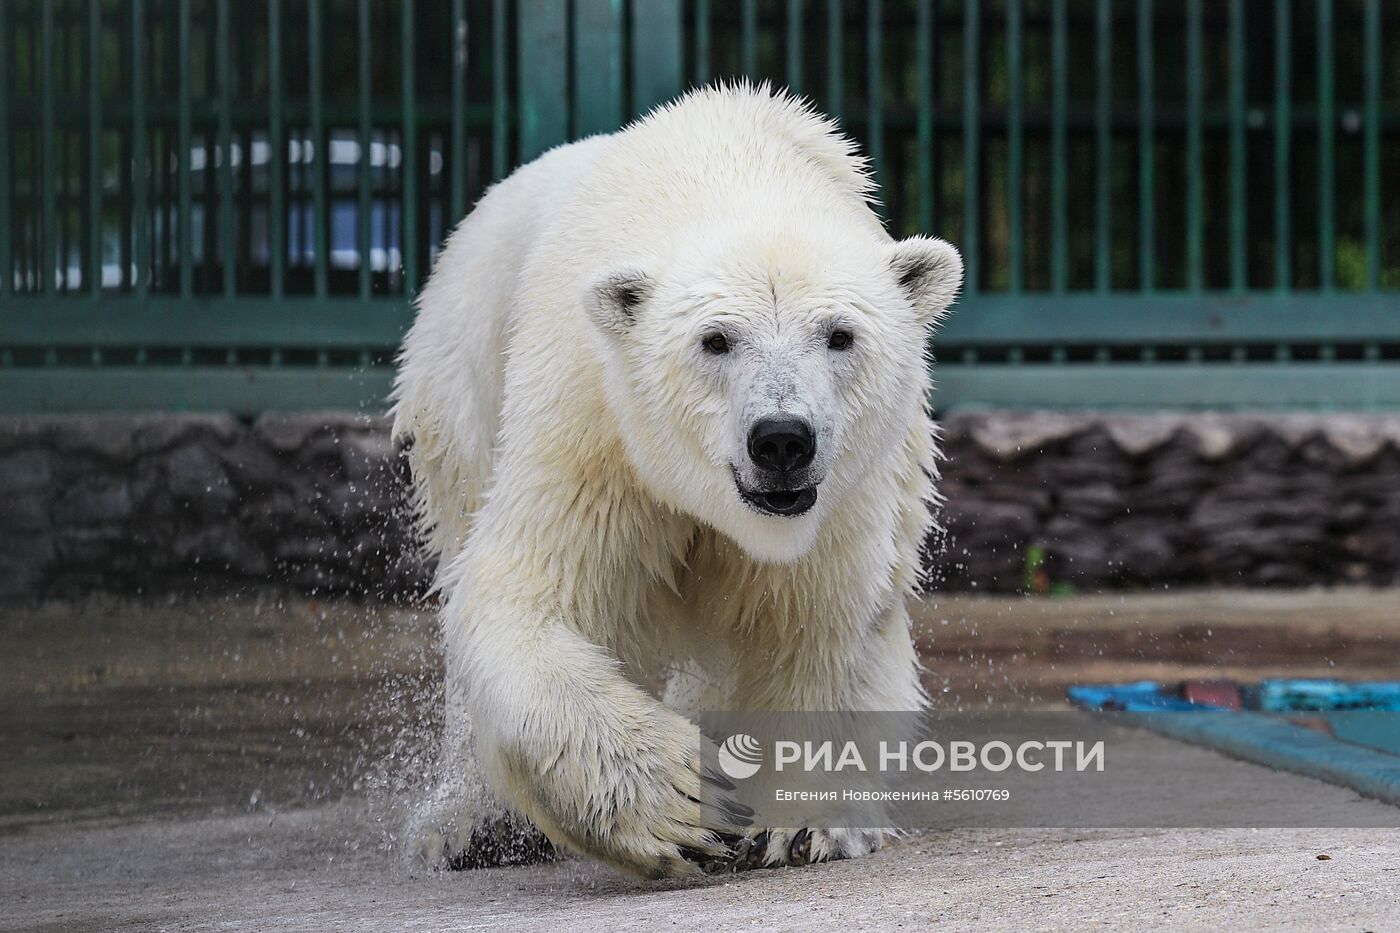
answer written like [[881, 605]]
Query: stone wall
[[1107, 501], [177, 504], [197, 503]]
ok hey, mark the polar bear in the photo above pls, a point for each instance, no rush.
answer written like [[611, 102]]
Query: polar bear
[[665, 399]]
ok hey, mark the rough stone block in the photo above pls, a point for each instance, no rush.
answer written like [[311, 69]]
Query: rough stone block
[[1094, 502], [99, 500], [26, 470]]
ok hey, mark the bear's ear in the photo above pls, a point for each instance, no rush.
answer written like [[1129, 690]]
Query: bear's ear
[[612, 300], [930, 272]]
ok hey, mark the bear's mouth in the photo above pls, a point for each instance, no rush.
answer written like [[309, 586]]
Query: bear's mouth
[[785, 502]]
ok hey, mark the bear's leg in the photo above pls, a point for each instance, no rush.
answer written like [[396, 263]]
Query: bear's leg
[[586, 755], [881, 673]]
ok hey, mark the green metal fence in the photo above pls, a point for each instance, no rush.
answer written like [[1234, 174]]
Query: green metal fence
[[1180, 203]]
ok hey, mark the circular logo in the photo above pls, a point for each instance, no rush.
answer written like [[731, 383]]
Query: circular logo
[[740, 756]]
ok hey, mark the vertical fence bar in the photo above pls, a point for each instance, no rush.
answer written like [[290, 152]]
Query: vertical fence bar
[[7, 257], [58, 166], [224, 41], [410, 155], [28, 247], [543, 76], [185, 135], [1283, 144], [48, 262], [972, 155], [94, 166], [924, 64], [1371, 142], [1146, 182], [1194, 180], [64, 163], [794, 46], [658, 42], [364, 207], [598, 66], [874, 93], [1015, 145], [1326, 143], [1239, 230], [835, 60], [277, 142], [169, 162], [458, 193], [748, 37], [318, 148], [500, 112], [140, 211], [7, 266], [702, 42], [1103, 144], [1059, 105]]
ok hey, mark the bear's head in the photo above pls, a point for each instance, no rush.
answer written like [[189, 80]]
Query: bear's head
[[760, 378]]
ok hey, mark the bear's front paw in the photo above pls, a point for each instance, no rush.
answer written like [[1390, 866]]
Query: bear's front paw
[[644, 804], [683, 822], [772, 848]]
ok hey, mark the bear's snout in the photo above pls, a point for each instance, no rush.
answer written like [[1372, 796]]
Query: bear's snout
[[782, 445]]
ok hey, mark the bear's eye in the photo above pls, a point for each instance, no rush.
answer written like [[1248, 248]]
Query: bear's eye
[[839, 339], [715, 343]]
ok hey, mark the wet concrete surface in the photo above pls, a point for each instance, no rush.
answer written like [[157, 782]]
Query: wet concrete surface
[[121, 710], [242, 764]]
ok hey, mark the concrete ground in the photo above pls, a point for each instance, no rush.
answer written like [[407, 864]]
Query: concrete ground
[[242, 764]]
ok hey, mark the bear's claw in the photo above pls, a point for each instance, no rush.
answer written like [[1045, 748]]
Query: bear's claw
[[711, 864], [714, 777], [775, 848], [800, 849]]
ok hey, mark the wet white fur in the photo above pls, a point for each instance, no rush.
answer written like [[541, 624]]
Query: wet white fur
[[572, 447]]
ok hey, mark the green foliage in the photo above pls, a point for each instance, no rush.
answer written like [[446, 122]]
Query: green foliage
[[1035, 577]]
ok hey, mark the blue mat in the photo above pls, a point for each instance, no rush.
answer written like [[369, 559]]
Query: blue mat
[[1270, 696], [1336, 731]]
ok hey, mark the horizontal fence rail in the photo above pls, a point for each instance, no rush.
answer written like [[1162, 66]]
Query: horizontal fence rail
[[1181, 203]]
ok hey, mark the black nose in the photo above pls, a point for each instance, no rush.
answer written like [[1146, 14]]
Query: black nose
[[782, 444]]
